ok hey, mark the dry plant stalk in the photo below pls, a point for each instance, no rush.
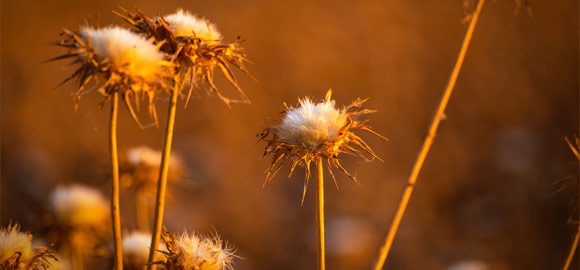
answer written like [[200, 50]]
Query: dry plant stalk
[[162, 183], [195, 47], [317, 133], [132, 66], [575, 148], [428, 141]]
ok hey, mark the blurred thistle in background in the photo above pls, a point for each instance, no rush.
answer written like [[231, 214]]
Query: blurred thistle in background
[[80, 224], [136, 250], [139, 168]]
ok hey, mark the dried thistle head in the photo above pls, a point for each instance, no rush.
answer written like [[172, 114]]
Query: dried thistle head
[[196, 252], [130, 64], [136, 250], [79, 207], [16, 252], [195, 46], [316, 132], [140, 169]]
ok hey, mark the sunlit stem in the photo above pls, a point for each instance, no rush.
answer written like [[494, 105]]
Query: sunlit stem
[[428, 141], [162, 182], [320, 216], [572, 251], [115, 212]]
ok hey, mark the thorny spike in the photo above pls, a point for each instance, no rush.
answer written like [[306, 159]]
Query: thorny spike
[[331, 173]]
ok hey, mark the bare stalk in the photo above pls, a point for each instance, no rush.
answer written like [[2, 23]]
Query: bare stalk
[[428, 141], [162, 182], [320, 216], [572, 251], [115, 213]]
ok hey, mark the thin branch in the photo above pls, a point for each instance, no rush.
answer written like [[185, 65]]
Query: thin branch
[[422, 154]]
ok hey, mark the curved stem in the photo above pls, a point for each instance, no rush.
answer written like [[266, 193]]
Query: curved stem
[[320, 216], [162, 182], [428, 141], [115, 213]]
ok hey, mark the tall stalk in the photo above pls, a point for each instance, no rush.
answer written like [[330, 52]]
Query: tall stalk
[[572, 251], [162, 182], [115, 213], [574, 245], [320, 216], [428, 141]]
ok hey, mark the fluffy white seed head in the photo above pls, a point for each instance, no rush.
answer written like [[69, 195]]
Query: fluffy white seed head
[[204, 253], [79, 206], [183, 23], [311, 124], [136, 248], [126, 51], [13, 241], [145, 156]]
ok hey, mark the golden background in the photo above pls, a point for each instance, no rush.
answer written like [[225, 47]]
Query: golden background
[[489, 190]]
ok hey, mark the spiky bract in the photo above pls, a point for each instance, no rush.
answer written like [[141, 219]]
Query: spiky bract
[[316, 132], [195, 46], [131, 65]]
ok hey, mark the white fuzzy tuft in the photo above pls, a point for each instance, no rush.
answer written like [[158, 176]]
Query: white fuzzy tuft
[[126, 51], [204, 253], [145, 156], [183, 23], [79, 206], [136, 248], [13, 241], [311, 124]]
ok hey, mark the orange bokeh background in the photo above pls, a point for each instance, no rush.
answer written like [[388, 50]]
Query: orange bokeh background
[[490, 190]]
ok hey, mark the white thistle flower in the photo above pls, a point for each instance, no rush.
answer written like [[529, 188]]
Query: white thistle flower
[[145, 156], [79, 206], [197, 252], [316, 132], [136, 248], [126, 51], [311, 124], [12, 241], [183, 23]]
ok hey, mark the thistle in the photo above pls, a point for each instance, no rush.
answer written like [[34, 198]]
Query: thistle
[[81, 214], [189, 252], [131, 65], [16, 252], [133, 68], [317, 133], [139, 174], [136, 250], [195, 45]]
